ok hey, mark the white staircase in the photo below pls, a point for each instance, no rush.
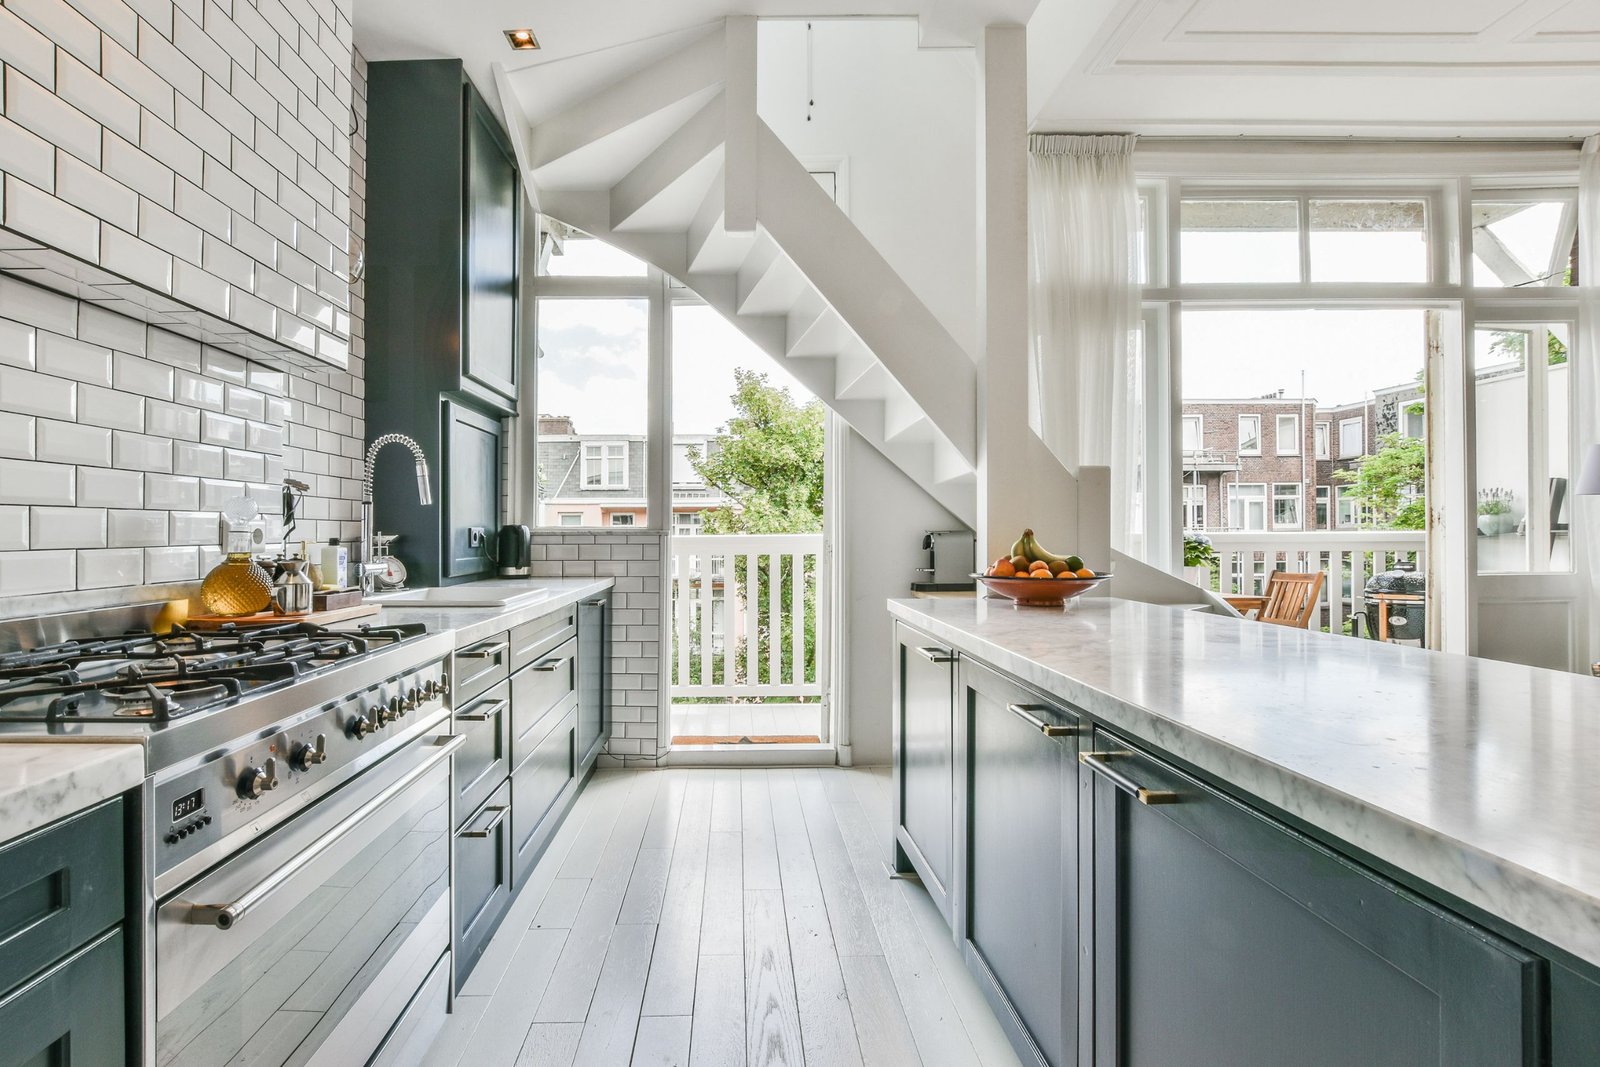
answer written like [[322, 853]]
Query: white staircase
[[673, 165]]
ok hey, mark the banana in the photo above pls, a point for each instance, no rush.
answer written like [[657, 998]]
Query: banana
[[1019, 547], [1033, 550]]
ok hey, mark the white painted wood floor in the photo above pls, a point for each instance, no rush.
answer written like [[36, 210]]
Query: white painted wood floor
[[721, 917]]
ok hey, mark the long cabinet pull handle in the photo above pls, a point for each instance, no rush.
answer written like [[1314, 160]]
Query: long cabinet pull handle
[[227, 916], [494, 707], [551, 664], [595, 603], [484, 651], [1100, 763], [936, 655], [500, 811], [1025, 713]]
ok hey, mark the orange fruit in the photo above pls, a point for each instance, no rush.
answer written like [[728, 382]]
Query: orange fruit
[[1041, 573], [1086, 573], [1003, 569]]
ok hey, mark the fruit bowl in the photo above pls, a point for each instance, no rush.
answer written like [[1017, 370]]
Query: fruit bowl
[[1042, 592]]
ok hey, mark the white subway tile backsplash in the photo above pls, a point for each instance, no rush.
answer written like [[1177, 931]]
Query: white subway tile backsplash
[[137, 169], [106, 488], [27, 155], [169, 348], [166, 565], [88, 188], [30, 573], [199, 392], [143, 376], [25, 303], [244, 466], [106, 407], [67, 357], [204, 461], [167, 231], [134, 451], [16, 436], [71, 442], [31, 105], [85, 90], [170, 147], [262, 437], [158, 52], [171, 420], [124, 70], [66, 528], [26, 49], [16, 344], [169, 492], [124, 254], [52, 221], [68, 28], [136, 529], [98, 326], [13, 528], [226, 366], [246, 403], [199, 288], [221, 430], [38, 394], [24, 482], [214, 493], [107, 567], [194, 528]]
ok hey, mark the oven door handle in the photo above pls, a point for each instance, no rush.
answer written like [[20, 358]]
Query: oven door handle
[[226, 916]]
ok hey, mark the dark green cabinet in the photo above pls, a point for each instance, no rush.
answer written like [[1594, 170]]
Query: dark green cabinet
[[594, 678], [924, 744], [481, 878], [494, 193], [471, 490], [1222, 936], [1020, 897], [74, 1013]]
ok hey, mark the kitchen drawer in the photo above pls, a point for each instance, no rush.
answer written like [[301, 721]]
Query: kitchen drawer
[[534, 638], [485, 760], [479, 666], [75, 1013], [60, 887], [536, 691], [482, 877], [537, 785]]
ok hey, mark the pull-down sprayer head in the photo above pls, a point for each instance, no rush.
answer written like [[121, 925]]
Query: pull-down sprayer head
[[424, 491]]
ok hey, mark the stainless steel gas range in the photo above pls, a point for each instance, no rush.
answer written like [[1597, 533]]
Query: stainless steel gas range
[[296, 823]]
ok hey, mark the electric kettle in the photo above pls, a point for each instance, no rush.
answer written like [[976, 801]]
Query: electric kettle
[[512, 546]]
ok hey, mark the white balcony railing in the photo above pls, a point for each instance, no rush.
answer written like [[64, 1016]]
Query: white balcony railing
[[747, 619], [1347, 559]]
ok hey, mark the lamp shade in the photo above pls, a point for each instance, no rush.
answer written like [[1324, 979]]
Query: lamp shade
[[1589, 479]]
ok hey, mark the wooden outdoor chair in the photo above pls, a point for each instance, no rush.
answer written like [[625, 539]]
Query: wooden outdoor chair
[[1290, 599]]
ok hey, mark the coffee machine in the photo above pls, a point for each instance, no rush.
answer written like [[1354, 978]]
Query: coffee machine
[[513, 545], [952, 558]]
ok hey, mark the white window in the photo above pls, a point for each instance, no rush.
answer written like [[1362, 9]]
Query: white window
[[1322, 441], [1247, 507], [1413, 419], [1348, 511], [605, 464], [622, 518], [1322, 507], [1288, 434], [1249, 435], [687, 523], [683, 472], [1286, 505], [570, 518], [1193, 433], [1194, 507], [1352, 437]]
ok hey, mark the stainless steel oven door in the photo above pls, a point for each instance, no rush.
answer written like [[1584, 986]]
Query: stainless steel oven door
[[306, 946]]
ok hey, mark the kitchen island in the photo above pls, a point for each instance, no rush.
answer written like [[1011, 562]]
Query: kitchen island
[[1266, 842]]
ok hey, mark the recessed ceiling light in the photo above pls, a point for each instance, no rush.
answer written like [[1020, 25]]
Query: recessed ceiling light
[[522, 40]]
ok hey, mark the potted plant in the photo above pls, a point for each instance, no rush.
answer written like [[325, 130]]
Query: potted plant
[[1199, 557], [1494, 512]]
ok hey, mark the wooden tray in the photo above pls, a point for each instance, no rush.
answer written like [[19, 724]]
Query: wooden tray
[[268, 618]]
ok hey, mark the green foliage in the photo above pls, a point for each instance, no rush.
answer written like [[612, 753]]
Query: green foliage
[[1198, 551], [1513, 344], [768, 462], [1391, 483]]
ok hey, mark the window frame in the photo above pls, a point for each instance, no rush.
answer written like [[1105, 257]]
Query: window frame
[[1294, 436], [1322, 503], [1264, 499], [1239, 440], [1194, 501], [1199, 436], [617, 518], [1322, 439], [1567, 196], [1361, 446], [603, 457], [1296, 495]]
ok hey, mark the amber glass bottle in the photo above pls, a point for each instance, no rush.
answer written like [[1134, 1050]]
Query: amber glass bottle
[[238, 585]]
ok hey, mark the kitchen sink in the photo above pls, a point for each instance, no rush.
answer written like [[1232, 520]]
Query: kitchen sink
[[476, 595]]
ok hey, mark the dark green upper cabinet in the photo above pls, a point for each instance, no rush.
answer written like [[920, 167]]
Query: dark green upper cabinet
[[489, 356]]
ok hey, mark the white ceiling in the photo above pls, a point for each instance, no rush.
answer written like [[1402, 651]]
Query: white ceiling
[[1424, 68]]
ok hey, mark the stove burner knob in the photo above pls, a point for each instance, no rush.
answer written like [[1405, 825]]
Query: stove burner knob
[[433, 689], [397, 708], [362, 726], [304, 757], [257, 780], [172, 838], [414, 698]]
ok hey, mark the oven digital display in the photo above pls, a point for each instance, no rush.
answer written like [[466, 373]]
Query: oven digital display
[[184, 807]]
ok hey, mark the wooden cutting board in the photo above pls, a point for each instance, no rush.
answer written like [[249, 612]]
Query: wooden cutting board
[[268, 618]]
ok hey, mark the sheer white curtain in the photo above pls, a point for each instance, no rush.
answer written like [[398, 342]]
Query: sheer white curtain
[[1084, 304], [1588, 363]]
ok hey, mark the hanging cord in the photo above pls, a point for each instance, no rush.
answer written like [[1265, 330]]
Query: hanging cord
[[811, 94]]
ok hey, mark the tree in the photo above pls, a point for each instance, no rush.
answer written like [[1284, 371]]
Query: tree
[[1391, 483], [1513, 344]]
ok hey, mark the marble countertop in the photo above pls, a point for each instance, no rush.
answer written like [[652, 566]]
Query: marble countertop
[[474, 624], [40, 783], [1478, 777]]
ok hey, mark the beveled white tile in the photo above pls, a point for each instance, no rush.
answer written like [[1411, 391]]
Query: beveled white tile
[[16, 436], [269, 381], [24, 482], [132, 258], [134, 529], [264, 438], [200, 288], [68, 357], [162, 565], [107, 407], [203, 461], [38, 394], [221, 430], [86, 187], [199, 392], [66, 528], [246, 403], [100, 326], [278, 409], [28, 573], [31, 211], [16, 344], [104, 568], [245, 466], [195, 528], [107, 488], [13, 528], [226, 366], [143, 376], [171, 420], [215, 493], [135, 451], [168, 347], [39, 307], [71, 442], [170, 492]]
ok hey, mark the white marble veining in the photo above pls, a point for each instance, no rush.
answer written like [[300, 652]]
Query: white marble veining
[[43, 782], [1478, 777]]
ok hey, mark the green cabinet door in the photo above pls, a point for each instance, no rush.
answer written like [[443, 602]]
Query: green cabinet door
[[925, 760]]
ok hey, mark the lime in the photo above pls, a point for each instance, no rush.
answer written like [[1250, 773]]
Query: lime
[[1074, 563]]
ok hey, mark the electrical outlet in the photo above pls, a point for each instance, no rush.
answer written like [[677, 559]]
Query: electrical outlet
[[475, 536]]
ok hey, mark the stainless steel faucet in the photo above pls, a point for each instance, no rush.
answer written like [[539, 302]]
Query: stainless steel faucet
[[367, 568]]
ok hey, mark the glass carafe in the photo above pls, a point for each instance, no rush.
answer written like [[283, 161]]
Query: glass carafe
[[238, 585]]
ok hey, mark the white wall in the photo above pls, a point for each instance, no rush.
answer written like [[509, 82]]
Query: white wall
[[885, 516], [905, 120]]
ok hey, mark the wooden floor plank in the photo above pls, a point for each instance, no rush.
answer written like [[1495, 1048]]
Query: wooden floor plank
[[760, 848], [670, 990], [646, 886], [662, 828], [663, 1041], [880, 1019], [508, 1015], [559, 909], [725, 801], [717, 1039], [584, 856], [457, 1031], [613, 1020], [848, 918], [548, 1045], [722, 921], [772, 1017]]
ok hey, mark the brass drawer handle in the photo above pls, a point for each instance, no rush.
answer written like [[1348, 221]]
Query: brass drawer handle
[[500, 811], [495, 707], [489, 651], [1100, 763], [936, 655], [1025, 713], [551, 664]]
